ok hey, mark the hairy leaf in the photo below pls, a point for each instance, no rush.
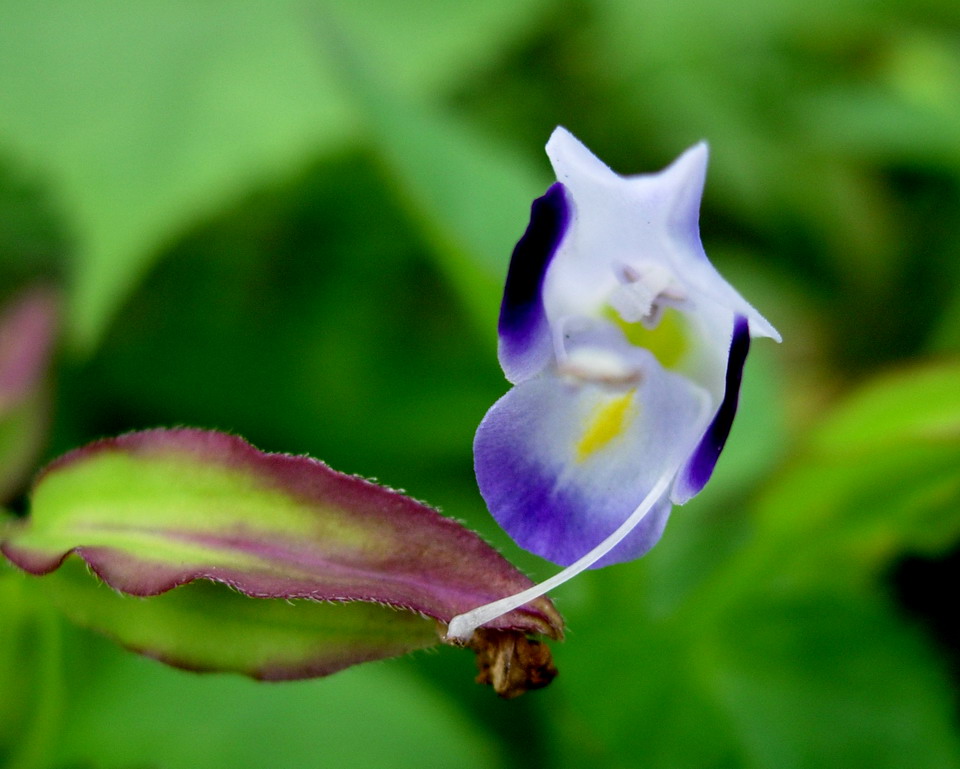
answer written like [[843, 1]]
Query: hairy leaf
[[154, 510]]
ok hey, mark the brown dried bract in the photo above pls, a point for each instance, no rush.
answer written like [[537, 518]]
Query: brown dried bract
[[510, 662]]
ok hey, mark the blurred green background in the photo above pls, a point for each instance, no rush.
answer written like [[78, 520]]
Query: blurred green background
[[291, 220]]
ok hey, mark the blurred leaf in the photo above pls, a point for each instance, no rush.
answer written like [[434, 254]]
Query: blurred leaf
[[151, 511], [14, 671], [879, 475], [147, 117], [32, 245], [946, 338], [28, 328], [752, 677], [907, 111], [631, 693], [820, 680], [469, 196], [917, 404], [30, 673], [128, 711]]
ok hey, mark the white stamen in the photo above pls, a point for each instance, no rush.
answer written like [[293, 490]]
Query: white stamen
[[598, 364], [462, 626], [641, 291]]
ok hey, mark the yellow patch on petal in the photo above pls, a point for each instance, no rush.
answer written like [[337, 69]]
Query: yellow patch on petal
[[668, 341], [607, 423]]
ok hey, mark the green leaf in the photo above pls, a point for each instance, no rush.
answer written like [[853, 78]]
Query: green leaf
[[877, 476], [919, 404], [151, 511], [469, 196], [146, 117], [808, 678], [206, 626], [830, 681], [127, 711], [30, 674]]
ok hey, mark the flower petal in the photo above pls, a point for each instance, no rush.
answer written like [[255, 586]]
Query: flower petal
[[697, 471], [562, 465], [633, 220], [525, 343]]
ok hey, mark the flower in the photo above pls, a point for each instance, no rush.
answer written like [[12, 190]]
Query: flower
[[626, 349]]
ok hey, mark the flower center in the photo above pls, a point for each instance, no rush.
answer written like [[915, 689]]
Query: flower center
[[643, 291], [644, 308], [668, 341]]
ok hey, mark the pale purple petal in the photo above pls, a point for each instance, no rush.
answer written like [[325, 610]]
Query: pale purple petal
[[697, 471], [558, 503], [525, 341]]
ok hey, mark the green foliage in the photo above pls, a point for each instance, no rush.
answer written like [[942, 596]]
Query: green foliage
[[831, 680], [154, 510], [202, 626], [129, 711], [180, 108], [879, 474], [290, 220]]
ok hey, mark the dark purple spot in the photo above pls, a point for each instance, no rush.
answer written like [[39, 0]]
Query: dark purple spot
[[704, 459], [522, 318]]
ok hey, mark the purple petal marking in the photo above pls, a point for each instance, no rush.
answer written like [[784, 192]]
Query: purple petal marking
[[553, 522], [695, 474], [525, 343], [416, 559], [557, 506]]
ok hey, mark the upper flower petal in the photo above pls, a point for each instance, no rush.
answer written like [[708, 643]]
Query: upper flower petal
[[632, 221], [525, 342]]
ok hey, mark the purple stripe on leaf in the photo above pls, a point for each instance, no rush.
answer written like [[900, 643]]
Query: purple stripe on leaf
[[270, 525]]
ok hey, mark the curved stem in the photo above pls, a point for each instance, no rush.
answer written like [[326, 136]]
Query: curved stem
[[462, 626]]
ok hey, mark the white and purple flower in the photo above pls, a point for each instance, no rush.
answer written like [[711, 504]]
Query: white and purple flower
[[626, 350]]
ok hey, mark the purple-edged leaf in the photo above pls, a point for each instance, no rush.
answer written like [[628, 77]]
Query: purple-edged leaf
[[153, 510], [28, 327], [208, 627]]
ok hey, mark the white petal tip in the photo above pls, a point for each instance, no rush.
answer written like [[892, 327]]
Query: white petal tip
[[690, 169], [570, 157], [760, 326]]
